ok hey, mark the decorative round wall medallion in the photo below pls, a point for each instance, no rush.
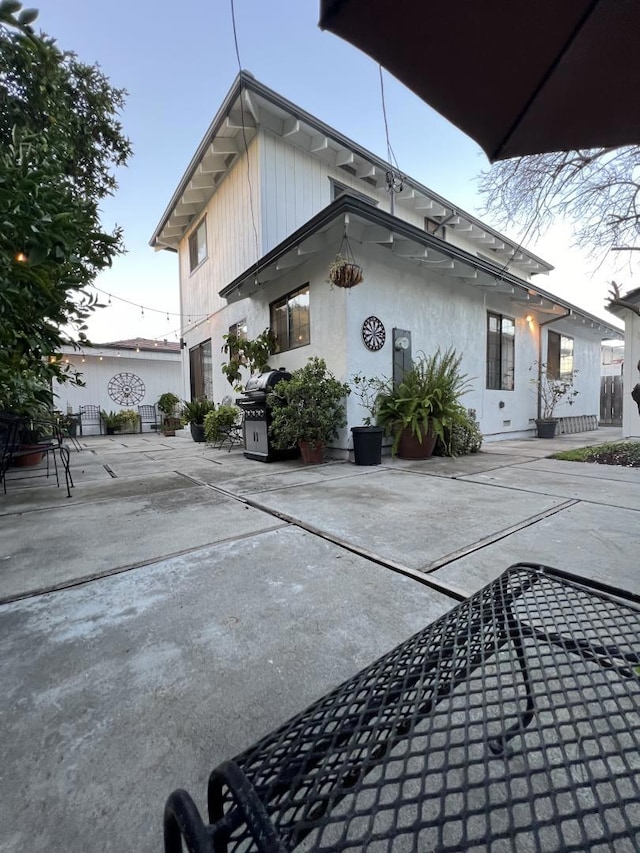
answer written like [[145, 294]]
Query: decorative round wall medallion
[[126, 389], [373, 333]]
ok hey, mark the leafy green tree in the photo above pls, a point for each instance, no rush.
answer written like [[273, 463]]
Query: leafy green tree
[[60, 141]]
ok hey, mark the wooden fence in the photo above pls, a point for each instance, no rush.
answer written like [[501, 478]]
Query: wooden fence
[[611, 400]]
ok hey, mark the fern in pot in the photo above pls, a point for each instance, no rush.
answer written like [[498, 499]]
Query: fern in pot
[[425, 405]]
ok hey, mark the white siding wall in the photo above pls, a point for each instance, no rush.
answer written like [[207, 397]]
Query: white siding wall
[[160, 372], [295, 186], [231, 243], [630, 416]]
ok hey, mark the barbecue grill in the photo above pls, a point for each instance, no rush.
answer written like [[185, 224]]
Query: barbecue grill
[[257, 417]]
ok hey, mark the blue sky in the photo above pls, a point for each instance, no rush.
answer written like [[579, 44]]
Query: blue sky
[[177, 62]]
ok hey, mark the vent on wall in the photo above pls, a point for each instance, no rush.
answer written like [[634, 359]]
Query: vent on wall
[[506, 423]]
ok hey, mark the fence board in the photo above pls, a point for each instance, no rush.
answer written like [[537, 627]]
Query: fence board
[[611, 400]]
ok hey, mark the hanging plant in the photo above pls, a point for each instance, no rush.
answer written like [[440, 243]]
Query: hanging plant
[[344, 271]]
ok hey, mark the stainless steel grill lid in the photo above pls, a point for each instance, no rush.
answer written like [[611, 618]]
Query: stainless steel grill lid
[[260, 383]]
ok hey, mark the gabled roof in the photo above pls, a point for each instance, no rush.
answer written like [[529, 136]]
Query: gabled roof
[[248, 105], [365, 223], [142, 344]]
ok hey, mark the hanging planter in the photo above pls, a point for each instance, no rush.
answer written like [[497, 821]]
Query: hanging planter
[[344, 271]]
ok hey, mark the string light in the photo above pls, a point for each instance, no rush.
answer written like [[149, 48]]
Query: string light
[[21, 258]]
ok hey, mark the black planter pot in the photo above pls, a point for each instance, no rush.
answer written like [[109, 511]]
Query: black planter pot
[[197, 431], [367, 445], [547, 429]]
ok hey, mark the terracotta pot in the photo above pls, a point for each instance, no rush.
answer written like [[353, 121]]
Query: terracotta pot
[[410, 448], [29, 459], [312, 454]]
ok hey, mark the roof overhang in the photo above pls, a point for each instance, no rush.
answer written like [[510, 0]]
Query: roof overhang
[[250, 105], [365, 224], [632, 300]]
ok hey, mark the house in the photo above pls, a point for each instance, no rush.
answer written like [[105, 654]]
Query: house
[[270, 197], [627, 308], [119, 375]]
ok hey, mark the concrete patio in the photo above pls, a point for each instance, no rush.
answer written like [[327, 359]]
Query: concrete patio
[[185, 601]]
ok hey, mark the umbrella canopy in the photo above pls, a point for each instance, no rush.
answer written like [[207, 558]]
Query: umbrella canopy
[[518, 76]]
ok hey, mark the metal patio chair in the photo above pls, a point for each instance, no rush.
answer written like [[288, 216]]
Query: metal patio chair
[[17, 443], [148, 415], [90, 416]]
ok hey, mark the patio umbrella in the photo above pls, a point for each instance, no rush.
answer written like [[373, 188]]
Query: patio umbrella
[[518, 76]]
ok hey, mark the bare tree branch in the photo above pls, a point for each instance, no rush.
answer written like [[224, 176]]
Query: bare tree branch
[[597, 190]]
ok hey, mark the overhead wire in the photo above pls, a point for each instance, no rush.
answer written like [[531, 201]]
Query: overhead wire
[[244, 137]]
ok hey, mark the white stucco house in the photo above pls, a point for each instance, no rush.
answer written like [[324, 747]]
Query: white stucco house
[[119, 375], [261, 212]]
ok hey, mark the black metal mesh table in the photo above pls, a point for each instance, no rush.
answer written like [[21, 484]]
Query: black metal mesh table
[[512, 722]]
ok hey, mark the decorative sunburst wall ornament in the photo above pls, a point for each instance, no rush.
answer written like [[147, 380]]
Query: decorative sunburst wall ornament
[[126, 389]]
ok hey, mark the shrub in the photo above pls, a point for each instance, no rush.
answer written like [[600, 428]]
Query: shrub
[[308, 407], [128, 419], [462, 438], [219, 421]]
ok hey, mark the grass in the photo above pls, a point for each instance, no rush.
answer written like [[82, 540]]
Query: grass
[[625, 453]]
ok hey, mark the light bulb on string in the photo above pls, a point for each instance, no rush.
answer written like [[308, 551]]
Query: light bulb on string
[[141, 312], [109, 302]]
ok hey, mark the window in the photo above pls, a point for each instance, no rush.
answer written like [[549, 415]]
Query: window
[[198, 245], [201, 371], [290, 319], [239, 329], [559, 356], [431, 226], [501, 333]]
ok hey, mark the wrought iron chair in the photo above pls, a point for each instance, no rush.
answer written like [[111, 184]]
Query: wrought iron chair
[[148, 415], [20, 439], [90, 416], [230, 436]]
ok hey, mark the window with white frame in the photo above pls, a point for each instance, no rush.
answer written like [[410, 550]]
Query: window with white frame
[[559, 356], [290, 321], [198, 245], [501, 335]]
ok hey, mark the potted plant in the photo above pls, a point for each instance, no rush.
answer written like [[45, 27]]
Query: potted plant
[[344, 272], [167, 405], [551, 392], [129, 420], [308, 409], [219, 423], [250, 354], [367, 439], [111, 421], [194, 414], [424, 406]]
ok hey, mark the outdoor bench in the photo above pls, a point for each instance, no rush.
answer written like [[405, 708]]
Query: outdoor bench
[[510, 723]]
